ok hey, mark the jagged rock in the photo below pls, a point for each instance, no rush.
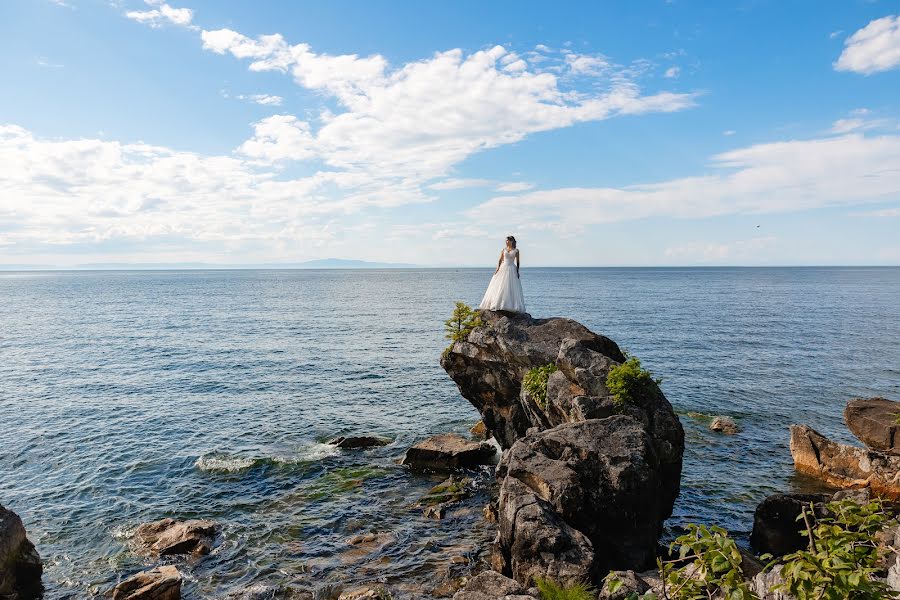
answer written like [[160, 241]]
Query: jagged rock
[[448, 451], [491, 585], [359, 441], [161, 583], [599, 477], [874, 421], [724, 425], [20, 564], [844, 466], [480, 430], [168, 536], [776, 529], [763, 584]]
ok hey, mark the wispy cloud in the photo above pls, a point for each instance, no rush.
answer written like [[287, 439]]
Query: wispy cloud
[[872, 49], [46, 63], [672, 73], [457, 184], [515, 186], [162, 14]]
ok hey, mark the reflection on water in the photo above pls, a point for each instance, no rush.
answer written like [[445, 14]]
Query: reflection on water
[[131, 396]]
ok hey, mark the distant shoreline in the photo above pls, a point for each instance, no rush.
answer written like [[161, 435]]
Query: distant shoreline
[[378, 267]]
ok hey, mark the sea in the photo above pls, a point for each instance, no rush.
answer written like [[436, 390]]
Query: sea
[[129, 396]]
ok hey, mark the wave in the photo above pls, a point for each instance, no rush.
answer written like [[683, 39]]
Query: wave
[[218, 462]]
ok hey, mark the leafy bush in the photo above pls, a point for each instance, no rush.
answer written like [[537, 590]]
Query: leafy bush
[[842, 555], [714, 569], [550, 590], [535, 383], [463, 320], [628, 381]]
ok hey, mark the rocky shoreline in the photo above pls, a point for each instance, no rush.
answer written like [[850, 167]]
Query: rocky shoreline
[[585, 480]]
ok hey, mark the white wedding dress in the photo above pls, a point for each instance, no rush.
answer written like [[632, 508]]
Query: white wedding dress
[[505, 289]]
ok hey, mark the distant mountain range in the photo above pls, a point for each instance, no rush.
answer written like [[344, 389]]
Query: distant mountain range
[[322, 263]]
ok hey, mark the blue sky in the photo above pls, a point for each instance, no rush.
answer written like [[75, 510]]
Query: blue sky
[[599, 133]]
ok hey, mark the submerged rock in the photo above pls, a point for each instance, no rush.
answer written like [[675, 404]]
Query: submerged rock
[[874, 421], [776, 529], [448, 451], [844, 466], [724, 425], [168, 536], [20, 564], [161, 583], [372, 592], [359, 441], [491, 585]]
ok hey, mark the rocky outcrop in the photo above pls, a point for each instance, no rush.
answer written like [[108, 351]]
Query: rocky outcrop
[[874, 421], [168, 536], [161, 583], [353, 442], [20, 564], [491, 585], [586, 482], [844, 466], [448, 451], [724, 425], [776, 529]]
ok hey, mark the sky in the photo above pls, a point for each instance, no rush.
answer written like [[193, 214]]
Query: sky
[[646, 133]]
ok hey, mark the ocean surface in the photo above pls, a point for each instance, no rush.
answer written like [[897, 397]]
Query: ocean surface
[[132, 396]]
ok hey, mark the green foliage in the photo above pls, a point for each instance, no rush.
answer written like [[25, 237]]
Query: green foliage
[[463, 320], [535, 383], [842, 555], [713, 568], [550, 590], [628, 381]]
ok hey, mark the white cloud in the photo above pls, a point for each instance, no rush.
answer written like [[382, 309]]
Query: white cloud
[[874, 48], [162, 14], [515, 186], [46, 63], [885, 212], [672, 73], [729, 132], [264, 99], [752, 250], [583, 64], [280, 137], [765, 178], [457, 184]]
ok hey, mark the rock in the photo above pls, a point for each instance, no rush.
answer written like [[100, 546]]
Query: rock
[[480, 430], [631, 583], [488, 367], [161, 583], [776, 529], [874, 421], [763, 585], [844, 466], [359, 441], [168, 536], [448, 451], [490, 512], [453, 489], [376, 592], [724, 425], [20, 564], [491, 585], [256, 591]]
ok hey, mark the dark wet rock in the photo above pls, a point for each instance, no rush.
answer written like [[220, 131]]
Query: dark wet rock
[[724, 425], [844, 466], [168, 536], [776, 529], [601, 480], [161, 583], [452, 489], [491, 585], [448, 451], [874, 421], [353, 442], [20, 564]]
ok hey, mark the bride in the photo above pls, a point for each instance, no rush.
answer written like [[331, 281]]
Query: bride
[[505, 289]]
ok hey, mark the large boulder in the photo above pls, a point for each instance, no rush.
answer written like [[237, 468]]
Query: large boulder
[[168, 536], [20, 565], [776, 528], [161, 583], [600, 478], [448, 451], [844, 466], [874, 421], [491, 585]]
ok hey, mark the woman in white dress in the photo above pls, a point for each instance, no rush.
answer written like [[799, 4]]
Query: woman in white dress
[[505, 289]]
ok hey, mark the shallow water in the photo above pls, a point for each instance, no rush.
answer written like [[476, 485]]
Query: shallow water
[[131, 396]]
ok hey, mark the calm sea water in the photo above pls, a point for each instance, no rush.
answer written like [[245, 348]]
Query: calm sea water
[[131, 396]]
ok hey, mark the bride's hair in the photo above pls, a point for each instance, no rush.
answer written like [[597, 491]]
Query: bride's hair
[[511, 240]]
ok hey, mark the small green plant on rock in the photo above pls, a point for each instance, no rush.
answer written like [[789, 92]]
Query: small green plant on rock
[[550, 590], [535, 383], [713, 568], [463, 320], [842, 555], [628, 381]]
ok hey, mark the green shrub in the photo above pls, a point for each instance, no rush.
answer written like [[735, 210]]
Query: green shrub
[[551, 590], [628, 381], [535, 383], [842, 555], [714, 567], [463, 320]]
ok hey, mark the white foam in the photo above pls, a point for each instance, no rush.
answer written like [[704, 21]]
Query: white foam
[[318, 451], [224, 463]]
